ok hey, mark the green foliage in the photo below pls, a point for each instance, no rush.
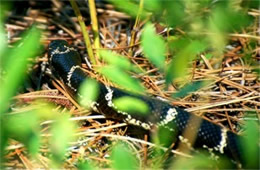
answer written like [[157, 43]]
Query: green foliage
[[152, 5], [5, 6], [165, 137], [118, 61], [29, 131], [89, 92], [128, 6], [3, 39], [174, 15], [188, 49], [250, 4], [199, 161], [25, 128], [189, 88], [251, 146], [121, 78], [131, 105], [223, 18], [122, 158], [15, 63], [153, 46], [25, 125], [116, 71], [62, 133], [86, 165]]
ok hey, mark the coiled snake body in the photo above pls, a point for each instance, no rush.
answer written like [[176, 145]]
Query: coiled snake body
[[66, 62]]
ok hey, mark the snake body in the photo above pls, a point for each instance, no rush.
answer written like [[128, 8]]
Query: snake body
[[66, 62]]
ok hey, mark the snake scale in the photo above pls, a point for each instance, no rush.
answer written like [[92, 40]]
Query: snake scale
[[66, 63]]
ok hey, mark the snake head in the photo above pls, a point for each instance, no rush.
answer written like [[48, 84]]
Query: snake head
[[57, 44]]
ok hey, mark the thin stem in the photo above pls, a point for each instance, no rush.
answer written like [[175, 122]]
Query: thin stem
[[84, 31], [94, 22]]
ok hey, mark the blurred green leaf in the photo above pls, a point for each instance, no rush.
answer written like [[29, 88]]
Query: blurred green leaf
[[250, 144], [153, 46], [16, 66], [189, 88], [250, 4], [85, 165], [179, 64], [117, 60], [175, 12], [128, 6], [217, 39], [62, 132], [3, 140], [121, 78], [208, 56], [227, 18], [3, 44], [153, 5], [5, 6], [131, 105], [165, 137], [122, 158], [24, 127], [89, 92], [200, 161]]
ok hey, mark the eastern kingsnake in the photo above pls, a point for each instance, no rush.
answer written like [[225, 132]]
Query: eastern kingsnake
[[66, 62]]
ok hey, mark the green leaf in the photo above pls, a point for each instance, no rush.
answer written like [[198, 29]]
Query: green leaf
[[226, 18], [122, 158], [86, 165], [175, 12], [209, 56], [128, 7], [3, 139], [62, 132], [152, 5], [5, 6], [165, 137], [217, 39], [89, 91], [16, 64], [153, 46], [131, 105], [189, 88], [121, 78], [179, 64], [117, 60], [250, 145], [3, 39], [200, 161], [24, 128]]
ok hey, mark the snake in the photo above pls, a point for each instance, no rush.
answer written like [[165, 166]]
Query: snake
[[66, 63]]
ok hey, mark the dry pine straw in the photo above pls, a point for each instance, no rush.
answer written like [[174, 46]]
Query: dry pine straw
[[233, 91]]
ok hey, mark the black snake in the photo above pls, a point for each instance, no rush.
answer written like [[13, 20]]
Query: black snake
[[66, 62]]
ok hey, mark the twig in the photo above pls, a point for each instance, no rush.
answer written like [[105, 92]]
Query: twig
[[220, 103]]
